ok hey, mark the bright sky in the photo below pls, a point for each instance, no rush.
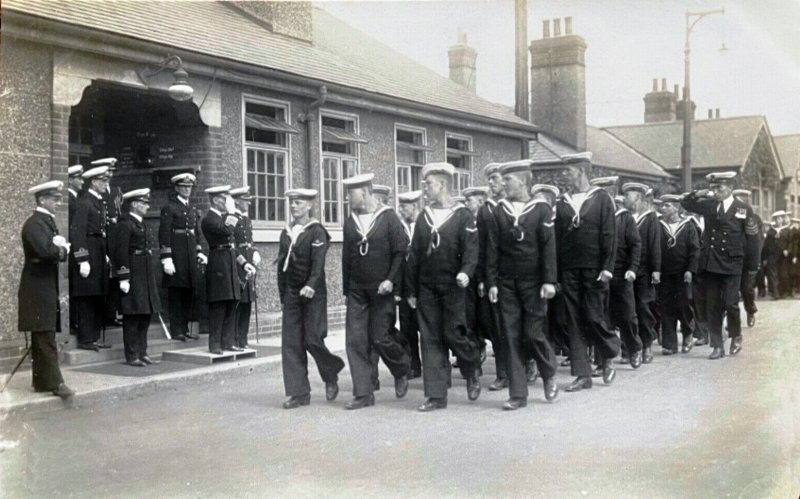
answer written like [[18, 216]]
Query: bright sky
[[630, 42]]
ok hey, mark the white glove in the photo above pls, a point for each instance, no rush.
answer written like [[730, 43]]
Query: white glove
[[230, 205], [125, 286], [231, 220], [251, 271], [203, 259], [785, 252], [61, 242], [605, 276], [256, 258], [547, 292], [85, 268], [794, 259], [630, 276], [169, 267]]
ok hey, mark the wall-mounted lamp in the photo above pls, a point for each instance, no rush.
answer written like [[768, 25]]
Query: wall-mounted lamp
[[180, 90]]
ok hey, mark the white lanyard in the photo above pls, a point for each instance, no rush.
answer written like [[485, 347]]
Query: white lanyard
[[512, 212], [363, 245], [576, 207], [293, 239], [673, 235], [431, 220]]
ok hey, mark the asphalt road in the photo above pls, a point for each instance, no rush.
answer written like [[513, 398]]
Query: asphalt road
[[683, 426]]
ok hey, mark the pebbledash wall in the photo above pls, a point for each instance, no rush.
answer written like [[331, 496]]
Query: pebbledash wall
[[43, 84]]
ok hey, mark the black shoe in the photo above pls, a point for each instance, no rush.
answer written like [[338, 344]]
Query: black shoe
[[580, 383], [687, 346], [473, 388], [103, 345], [147, 360], [550, 389], [609, 373], [295, 402], [700, 342], [597, 372], [669, 351], [636, 359], [216, 351], [736, 345], [433, 404], [63, 391], [136, 363], [400, 386], [514, 403], [498, 384], [360, 402], [624, 360], [415, 373], [565, 363], [234, 348], [192, 336], [751, 320], [647, 355], [89, 346], [331, 390], [180, 337], [531, 371], [717, 353]]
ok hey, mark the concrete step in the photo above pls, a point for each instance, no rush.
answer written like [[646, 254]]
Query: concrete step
[[78, 357]]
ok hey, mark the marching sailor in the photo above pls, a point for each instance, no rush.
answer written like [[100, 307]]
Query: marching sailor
[[408, 209]]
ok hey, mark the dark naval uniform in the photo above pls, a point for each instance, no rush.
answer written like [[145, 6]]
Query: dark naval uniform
[[304, 325], [72, 198], [88, 236], [728, 248], [439, 252], [649, 262], [243, 237], [680, 252], [409, 327], [38, 298], [747, 286], [785, 253], [521, 257], [223, 286], [179, 238], [489, 315], [622, 302], [586, 240], [371, 255], [769, 261], [131, 250]]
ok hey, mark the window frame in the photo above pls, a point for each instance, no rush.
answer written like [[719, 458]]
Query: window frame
[[260, 146], [471, 153], [398, 164], [340, 157]]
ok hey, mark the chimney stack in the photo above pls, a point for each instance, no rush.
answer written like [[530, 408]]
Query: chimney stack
[[521, 87], [680, 108], [558, 84], [659, 105], [710, 114], [462, 63], [717, 113], [545, 29]]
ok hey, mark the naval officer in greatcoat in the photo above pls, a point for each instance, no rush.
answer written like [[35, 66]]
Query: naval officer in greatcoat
[[243, 237], [304, 297], [38, 295], [134, 269], [729, 247]]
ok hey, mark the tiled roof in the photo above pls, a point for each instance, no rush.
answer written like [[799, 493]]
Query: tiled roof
[[610, 152], [547, 149], [716, 143], [339, 55], [789, 150]]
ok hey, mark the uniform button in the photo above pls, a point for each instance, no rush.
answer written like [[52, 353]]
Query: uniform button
[[712, 245]]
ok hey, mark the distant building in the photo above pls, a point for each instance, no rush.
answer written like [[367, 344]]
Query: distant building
[[789, 151]]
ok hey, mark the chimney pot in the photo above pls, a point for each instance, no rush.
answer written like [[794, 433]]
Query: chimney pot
[[556, 27], [710, 114], [655, 84], [684, 93], [717, 112], [676, 92], [568, 25], [663, 84], [545, 29]]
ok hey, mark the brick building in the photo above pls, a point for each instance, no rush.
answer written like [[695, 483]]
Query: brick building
[[284, 95]]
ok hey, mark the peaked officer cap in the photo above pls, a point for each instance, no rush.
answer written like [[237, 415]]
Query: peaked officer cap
[[100, 172], [218, 189], [186, 179], [75, 170], [49, 188], [242, 193], [721, 178], [137, 195]]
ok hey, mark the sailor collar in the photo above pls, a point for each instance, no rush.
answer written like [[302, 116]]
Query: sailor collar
[[430, 219], [640, 217], [363, 245], [293, 237], [620, 211], [511, 210], [673, 234]]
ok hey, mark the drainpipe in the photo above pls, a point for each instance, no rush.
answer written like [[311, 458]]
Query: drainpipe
[[308, 117]]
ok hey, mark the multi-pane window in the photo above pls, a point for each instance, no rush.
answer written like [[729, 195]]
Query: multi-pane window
[[266, 144], [459, 154], [410, 149], [340, 142], [80, 140]]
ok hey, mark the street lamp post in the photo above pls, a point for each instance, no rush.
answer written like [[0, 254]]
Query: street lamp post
[[692, 18]]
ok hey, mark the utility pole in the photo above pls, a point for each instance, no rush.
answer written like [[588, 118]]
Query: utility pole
[[521, 108], [692, 18]]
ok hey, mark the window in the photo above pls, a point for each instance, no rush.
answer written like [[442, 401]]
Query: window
[[756, 197], [80, 140], [266, 144], [339, 144], [459, 154], [410, 152]]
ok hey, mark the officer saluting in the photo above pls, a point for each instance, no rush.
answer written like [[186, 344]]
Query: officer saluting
[[729, 247], [38, 287], [178, 236], [131, 247], [304, 296], [444, 254], [88, 234], [223, 286], [521, 274], [243, 237]]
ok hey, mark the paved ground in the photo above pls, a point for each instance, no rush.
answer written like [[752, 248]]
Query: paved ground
[[681, 427]]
